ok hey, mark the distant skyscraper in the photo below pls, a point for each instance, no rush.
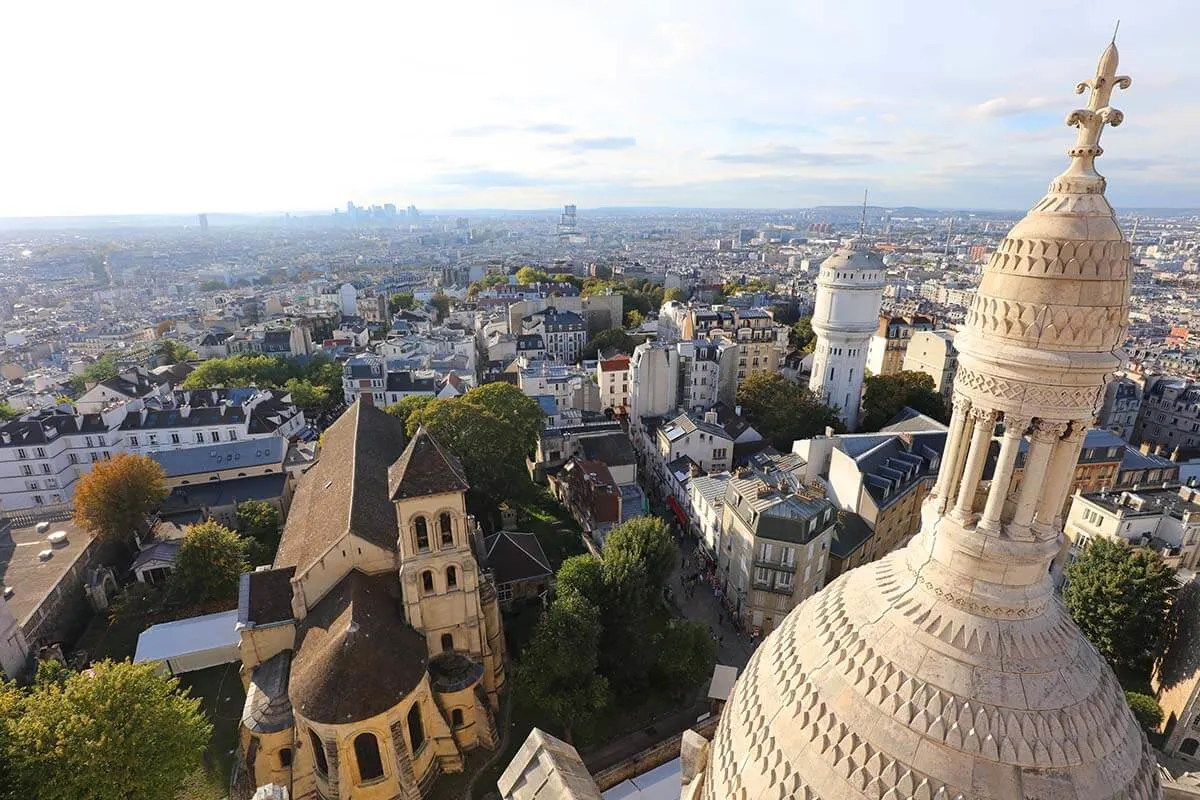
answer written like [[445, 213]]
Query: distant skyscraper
[[204, 223], [568, 223], [849, 293]]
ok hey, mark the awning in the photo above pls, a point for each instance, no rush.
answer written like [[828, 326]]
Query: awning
[[679, 512]]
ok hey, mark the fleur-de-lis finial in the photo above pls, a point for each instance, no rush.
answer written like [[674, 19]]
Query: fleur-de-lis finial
[[1090, 121]]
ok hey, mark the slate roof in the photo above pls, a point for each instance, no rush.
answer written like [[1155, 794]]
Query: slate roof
[[347, 490], [266, 595], [614, 449], [356, 657], [160, 551], [425, 468], [268, 708], [404, 381], [850, 533], [516, 556], [227, 455]]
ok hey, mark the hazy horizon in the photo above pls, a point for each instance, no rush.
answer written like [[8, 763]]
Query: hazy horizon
[[157, 109]]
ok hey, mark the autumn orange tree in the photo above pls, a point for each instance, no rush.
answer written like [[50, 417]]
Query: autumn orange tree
[[114, 499]]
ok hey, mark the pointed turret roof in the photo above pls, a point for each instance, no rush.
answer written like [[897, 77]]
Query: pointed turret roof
[[425, 468]]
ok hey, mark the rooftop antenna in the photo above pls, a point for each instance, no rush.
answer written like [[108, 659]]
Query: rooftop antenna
[[949, 231], [862, 223]]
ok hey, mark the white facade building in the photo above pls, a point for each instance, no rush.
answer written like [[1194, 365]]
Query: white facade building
[[846, 316]]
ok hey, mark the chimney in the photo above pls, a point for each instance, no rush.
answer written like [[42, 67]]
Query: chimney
[[710, 417], [1145, 448]]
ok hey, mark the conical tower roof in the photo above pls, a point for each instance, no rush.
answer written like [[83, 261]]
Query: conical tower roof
[[948, 669]]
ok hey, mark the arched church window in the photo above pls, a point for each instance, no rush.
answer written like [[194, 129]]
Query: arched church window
[[451, 577], [1188, 748], [285, 757], [447, 642], [456, 718], [421, 529], [444, 526], [318, 748], [416, 731], [366, 753], [427, 581]]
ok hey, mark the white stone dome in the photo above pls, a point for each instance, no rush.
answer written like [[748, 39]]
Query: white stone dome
[[949, 670]]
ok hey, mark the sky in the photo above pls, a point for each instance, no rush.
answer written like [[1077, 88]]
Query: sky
[[124, 107]]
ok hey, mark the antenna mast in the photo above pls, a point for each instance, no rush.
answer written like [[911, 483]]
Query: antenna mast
[[862, 223]]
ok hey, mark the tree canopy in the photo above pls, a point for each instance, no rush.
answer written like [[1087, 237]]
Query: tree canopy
[[314, 383], [783, 411], [102, 369], [173, 352], [557, 674], [1146, 710], [114, 500], [8, 413], [686, 655], [118, 732], [209, 566], [513, 406], [674, 294], [441, 303], [261, 524], [887, 395], [1120, 596], [400, 301], [408, 406], [531, 275], [801, 335], [613, 338]]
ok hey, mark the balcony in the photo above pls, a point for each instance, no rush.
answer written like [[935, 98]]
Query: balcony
[[771, 563]]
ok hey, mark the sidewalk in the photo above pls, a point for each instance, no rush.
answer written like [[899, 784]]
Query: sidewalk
[[733, 649]]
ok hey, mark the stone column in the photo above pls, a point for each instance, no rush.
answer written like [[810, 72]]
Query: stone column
[[952, 453], [1060, 474], [1041, 446], [984, 425], [1006, 463]]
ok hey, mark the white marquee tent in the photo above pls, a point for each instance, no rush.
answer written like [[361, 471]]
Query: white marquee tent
[[188, 645]]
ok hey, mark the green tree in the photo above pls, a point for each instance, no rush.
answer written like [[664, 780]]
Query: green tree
[[634, 318], [102, 369], [531, 275], [1120, 597], [305, 394], [209, 566], [557, 674], [212, 286], [613, 338], [887, 395], [1146, 710], [784, 313], [399, 302], [261, 524], [674, 294], [581, 576], [441, 303], [638, 558], [172, 352], [121, 731], [8, 413], [243, 369], [408, 406], [492, 452], [522, 413], [686, 655], [114, 500], [801, 335], [783, 411]]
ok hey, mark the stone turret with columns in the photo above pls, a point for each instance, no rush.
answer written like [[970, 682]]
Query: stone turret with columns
[[948, 669]]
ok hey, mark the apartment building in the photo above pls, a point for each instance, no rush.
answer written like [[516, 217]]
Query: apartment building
[[775, 549], [612, 376], [1122, 402], [933, 353], [889, 344], [564, 333], [1170, 415]]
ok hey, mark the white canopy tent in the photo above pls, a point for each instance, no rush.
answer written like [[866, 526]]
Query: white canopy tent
[[188, 645]]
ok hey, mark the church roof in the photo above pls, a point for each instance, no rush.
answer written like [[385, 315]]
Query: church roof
[[425, 468], [347, 490], [267, 708], [356, 656]]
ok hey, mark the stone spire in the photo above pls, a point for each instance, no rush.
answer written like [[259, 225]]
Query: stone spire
[[948, 670]]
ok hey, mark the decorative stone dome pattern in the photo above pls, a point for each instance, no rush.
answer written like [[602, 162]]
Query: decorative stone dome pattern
[[949, 670]]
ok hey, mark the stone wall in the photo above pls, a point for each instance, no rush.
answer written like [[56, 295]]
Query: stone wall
[[651, 757]]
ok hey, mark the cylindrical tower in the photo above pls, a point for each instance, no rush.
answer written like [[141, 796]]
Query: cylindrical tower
[[849, 293], [948, 670]]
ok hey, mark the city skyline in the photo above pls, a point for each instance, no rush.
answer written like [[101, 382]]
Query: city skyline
[[150, 110]]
